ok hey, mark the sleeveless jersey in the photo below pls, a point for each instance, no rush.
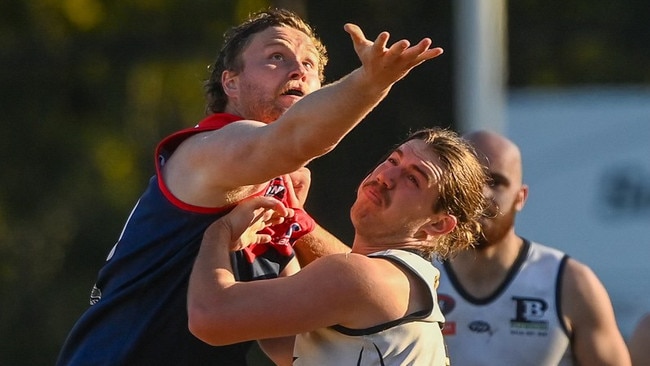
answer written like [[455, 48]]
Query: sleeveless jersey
[[519, 324], [413, 340], [138, 313]]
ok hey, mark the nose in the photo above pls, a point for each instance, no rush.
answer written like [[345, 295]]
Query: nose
[[387, 177], [298, 70]]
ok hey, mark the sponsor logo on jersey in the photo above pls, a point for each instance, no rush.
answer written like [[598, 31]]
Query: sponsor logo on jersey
[[95, 295], [530, 317], [446, 303], [276, 189], [449, 328], [480, 326]]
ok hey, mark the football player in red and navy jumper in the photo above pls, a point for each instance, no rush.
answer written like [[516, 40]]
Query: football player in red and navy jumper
[[138, 298]]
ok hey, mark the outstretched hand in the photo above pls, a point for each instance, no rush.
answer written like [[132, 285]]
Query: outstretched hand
[[393, 63], [249, 217]]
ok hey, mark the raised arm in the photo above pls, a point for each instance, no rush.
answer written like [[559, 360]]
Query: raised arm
[[332, 290], [596, 337], [250, 152], [331, 112]]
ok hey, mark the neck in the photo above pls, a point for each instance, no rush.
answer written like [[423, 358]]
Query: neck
[[481, 270], [365, 246]]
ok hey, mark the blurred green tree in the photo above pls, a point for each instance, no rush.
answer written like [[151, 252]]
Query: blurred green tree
[[88, 87]]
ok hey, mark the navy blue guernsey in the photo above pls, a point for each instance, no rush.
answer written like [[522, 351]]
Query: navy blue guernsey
[[138, 313]]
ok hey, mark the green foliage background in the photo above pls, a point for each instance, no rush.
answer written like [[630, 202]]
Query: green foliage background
[[88, 87]]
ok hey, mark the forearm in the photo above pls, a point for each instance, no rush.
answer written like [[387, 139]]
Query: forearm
[[335, 109], [249, 151], [211, 275], [317, 244], [317, 123]]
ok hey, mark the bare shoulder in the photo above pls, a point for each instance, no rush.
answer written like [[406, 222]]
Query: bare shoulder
[[208, 169], [374, 290], [375, 269], [355, 268], [579, 277], [585, 300], [232, 138]]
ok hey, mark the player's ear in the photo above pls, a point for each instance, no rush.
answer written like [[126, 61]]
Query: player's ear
[[229, 82], [522, 196], [438, 225]]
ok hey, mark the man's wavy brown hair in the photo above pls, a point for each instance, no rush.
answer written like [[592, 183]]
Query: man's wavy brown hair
[[460, 190]]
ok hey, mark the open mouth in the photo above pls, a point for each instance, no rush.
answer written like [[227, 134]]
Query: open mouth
[[294, 92]]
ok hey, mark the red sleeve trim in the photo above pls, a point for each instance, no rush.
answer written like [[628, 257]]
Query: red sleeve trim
[[171, 142]]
